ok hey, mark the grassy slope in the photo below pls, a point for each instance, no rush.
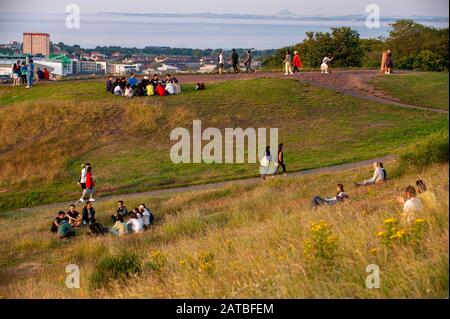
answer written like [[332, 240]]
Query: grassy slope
[[426, 89], [256, 235], [48, 131]]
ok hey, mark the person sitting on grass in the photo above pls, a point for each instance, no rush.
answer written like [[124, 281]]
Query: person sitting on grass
[[97, 229], [147, 216], [120, 210], [427, 197], [132, 81], [177, 86], [160, 90], [120, 227], [134, 224], [170, 88], [129, 91], [109, 84], [140, 90], [168, 79], [145, 81], [411, 205], [200, 86], [154, 81], [65, 230], [377, 178], [340, 197], [74, 217], [88, 213], [57, 221], [118, 91]]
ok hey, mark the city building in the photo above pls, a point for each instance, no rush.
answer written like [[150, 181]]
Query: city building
[[36, 43], [88, 67], [122, 69]]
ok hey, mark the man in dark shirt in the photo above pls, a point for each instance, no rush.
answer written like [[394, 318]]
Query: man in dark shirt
[[235, 61], [154, 81], [88, 213], [74, 216], [57, 221], [121, 210]]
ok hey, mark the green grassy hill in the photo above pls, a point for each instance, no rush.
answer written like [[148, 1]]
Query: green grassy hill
[[47, 132], [254, 241]]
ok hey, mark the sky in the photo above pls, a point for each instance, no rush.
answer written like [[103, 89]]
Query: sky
[[269, 7]]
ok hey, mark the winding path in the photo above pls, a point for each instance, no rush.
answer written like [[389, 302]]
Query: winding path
[[213, 186]]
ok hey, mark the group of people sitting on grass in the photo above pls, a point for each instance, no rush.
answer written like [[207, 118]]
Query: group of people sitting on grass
[[146, 87], [123, 221], [415, 200]]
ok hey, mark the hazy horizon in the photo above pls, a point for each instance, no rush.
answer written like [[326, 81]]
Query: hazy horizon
[[438, 8]]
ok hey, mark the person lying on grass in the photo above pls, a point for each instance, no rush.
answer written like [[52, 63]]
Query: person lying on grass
[[65, 230], [340, 197], [97, 229], [378, 177], [411, 205]]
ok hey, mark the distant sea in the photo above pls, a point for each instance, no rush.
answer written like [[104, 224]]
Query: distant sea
[[182, 31]]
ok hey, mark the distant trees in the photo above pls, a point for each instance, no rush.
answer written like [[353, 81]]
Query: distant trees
[[414, 45]]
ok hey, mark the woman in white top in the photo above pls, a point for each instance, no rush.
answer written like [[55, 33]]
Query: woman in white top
[[412, 205], [221, 61], [135, 223], [324, 65], [378, 176]]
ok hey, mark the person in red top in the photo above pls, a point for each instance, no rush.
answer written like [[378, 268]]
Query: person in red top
[[46, 74], [298, 65], [160, 90], [90, 183]]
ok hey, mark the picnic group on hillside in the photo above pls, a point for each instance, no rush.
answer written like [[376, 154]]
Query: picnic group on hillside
[[66, 224], [146, 87]]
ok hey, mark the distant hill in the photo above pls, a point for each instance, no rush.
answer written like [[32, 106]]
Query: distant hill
[[286, 13]]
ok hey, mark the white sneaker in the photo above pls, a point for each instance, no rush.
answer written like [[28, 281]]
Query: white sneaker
[[286, 74], [82, 200], [27, 87], [291, 73], [91, 200]]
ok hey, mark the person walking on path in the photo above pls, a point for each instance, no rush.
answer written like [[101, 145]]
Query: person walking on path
[[235, 61], [248, 62], [288, 63], [389, 64], [280, 161], [221, 61], [297, 62], [90, 186], [30, 73]]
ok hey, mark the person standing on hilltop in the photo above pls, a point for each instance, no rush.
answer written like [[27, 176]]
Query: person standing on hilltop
[[30, 73], [221, 61], [288, 63], [248, 62], [235, 61], [298, 65], [388, 64]]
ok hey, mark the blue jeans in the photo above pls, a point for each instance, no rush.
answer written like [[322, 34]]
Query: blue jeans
[[30, 79]]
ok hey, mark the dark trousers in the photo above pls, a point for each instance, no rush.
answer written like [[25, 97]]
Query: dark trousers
[[318, 201], [282, 165], [235, 68], [296, 69]]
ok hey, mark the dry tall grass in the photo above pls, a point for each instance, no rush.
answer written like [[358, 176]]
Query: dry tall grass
[[241, 242]]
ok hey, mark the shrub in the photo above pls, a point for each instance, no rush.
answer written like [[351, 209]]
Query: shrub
[[431, 150], [428, 60], [112, 268], [157, 262], [321, 246], [394, 234]]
